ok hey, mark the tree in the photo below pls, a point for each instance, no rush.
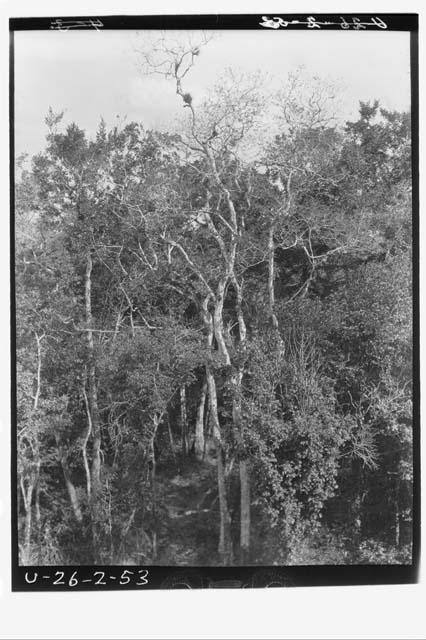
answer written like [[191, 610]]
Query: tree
[[213, 138]]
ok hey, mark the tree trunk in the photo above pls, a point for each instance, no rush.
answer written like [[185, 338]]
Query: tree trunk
[[171, 440], [37, 503], [397, 527], [397, 517], [357, 508], [33, 479], [84, 445], [245, 520], [94, 411], [38, 513], [245, 514], [72, 493], [183, 421], [38, 387], [225, 539], [27, 496], [218, 321], [271, 277], [28, 525], [199, 443], [153, 465], [93, 394]]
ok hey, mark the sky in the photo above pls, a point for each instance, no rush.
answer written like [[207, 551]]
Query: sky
[[94, 74]]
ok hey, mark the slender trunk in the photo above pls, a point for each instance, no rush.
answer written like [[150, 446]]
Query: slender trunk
[[37, 510], [72, 493], [38, 462], [37, 503], [38, 387], [84, 445], [154, 501], [93, 394], [207, 429], [397, 527], [172, 442], [271, 277], [229, 257], [27, 496], [18, 495], [111, 539], [153, 465], [28, 524], [95, 472], [216, 324], [32, 488], [222, 187], [225, 540], [199, 442], [245, 515], [245, 520], [356, 509], [183, 421], [397, 517], [218, 321]]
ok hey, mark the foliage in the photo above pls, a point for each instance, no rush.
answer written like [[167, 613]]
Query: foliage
[[127, 246]]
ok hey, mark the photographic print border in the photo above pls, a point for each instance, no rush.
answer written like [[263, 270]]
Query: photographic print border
[[76, 578]]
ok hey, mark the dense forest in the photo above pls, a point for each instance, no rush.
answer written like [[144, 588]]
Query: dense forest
[[214, 344]]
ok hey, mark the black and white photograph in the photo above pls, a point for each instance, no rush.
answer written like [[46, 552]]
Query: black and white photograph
[[213, 298]]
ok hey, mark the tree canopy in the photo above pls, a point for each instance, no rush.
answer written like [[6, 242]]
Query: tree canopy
[[214, 351]]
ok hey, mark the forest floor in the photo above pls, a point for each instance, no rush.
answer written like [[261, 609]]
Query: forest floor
[[189, 500], [188, 515]]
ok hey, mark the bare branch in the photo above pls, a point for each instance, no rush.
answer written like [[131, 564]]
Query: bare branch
[[192, 265]]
